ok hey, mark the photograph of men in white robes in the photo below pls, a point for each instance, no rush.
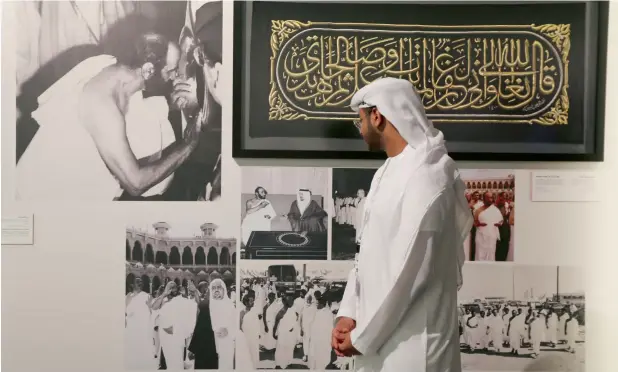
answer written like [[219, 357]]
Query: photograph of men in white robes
[[347, 220], [292, 328], [411, 246], [515, 326], [259, 213], [499, 186]]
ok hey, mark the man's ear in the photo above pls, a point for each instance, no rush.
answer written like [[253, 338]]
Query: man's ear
[[376, 120], [148, 70]]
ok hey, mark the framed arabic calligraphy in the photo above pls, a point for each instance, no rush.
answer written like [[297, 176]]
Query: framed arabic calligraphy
[[503, 81]]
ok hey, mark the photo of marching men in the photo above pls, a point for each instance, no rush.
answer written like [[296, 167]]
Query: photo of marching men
[[350, 189], [180, 307], [284, 213], [134, 84], [522, 318], [491, 196], [287, 315]]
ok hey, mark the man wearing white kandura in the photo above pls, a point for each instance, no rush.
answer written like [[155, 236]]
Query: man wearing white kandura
[[415, 221]]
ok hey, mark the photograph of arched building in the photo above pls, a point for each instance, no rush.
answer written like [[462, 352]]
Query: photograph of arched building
[[158, 257], [180, 289]]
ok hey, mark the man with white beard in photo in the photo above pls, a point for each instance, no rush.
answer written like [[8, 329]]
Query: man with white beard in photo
[[411, 244]]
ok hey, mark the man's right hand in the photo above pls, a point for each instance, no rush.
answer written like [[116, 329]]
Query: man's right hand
[[184, 95], [344, 325], [194, 128], [168, 288]]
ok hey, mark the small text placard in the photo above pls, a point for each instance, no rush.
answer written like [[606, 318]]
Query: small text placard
[[565, 186], [18, 230]]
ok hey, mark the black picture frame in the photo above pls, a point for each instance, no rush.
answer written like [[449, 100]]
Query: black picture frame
[[592, 111]]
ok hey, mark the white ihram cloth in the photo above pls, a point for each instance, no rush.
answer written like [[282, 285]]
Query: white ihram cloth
[[307, 318], [551, 334], [487, 236], [537, 333], [268, 340], [62, 161], [572, 333], [287, 335], [244, 354], [561, 326], [358, 217], [517, 331], [138, 334], [320, 339], [222, 317], [417, 211], [496, 329], [260, 220], [173, 314], [251, 329]]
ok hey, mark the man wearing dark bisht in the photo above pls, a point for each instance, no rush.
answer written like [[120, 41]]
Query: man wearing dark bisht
[[201, 65], [202, 344], [305, 214]]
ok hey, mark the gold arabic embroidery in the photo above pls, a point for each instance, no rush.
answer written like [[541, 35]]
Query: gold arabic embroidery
[[515, 74]]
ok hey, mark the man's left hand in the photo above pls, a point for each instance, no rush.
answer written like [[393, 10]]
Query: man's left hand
[[345, 347]]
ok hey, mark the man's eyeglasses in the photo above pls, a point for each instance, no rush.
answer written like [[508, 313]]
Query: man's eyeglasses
[[358, 123]]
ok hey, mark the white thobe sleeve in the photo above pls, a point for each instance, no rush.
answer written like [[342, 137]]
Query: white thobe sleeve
[[416, 245], [347, 307]]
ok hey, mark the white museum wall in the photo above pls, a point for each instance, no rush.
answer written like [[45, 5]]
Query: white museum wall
[[62, 298]]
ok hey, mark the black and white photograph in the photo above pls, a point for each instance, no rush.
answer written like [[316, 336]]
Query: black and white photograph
[[491, 197], [284, 213], [180, 305], [134, 84], [349, 192], [288, 312], [522, 318]]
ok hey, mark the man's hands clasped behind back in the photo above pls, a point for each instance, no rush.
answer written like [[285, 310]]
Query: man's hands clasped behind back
[[341, 341]]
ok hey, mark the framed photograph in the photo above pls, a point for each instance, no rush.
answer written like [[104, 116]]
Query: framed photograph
[[491, 197], [349, 192], [68, 56], [522, 318], [502, 81], [178, 262], [302, 297], [285, 213]]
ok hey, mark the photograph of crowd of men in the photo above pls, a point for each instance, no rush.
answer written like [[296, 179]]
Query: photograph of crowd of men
[[288, 314], [180, 309], [522, 318], [350, 189], [134, 84], [284, 214], [491, 196]]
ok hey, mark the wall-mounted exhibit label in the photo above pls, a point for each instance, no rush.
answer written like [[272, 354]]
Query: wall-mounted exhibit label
[[18, 230], [564, 186]]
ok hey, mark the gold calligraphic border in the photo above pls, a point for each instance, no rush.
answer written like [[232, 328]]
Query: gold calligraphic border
[[558, 34]]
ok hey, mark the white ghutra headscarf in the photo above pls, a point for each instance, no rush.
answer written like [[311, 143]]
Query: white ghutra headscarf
[[220, 309], [431, 169]]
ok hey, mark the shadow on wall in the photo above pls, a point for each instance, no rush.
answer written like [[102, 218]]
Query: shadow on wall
[[281, 204]]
